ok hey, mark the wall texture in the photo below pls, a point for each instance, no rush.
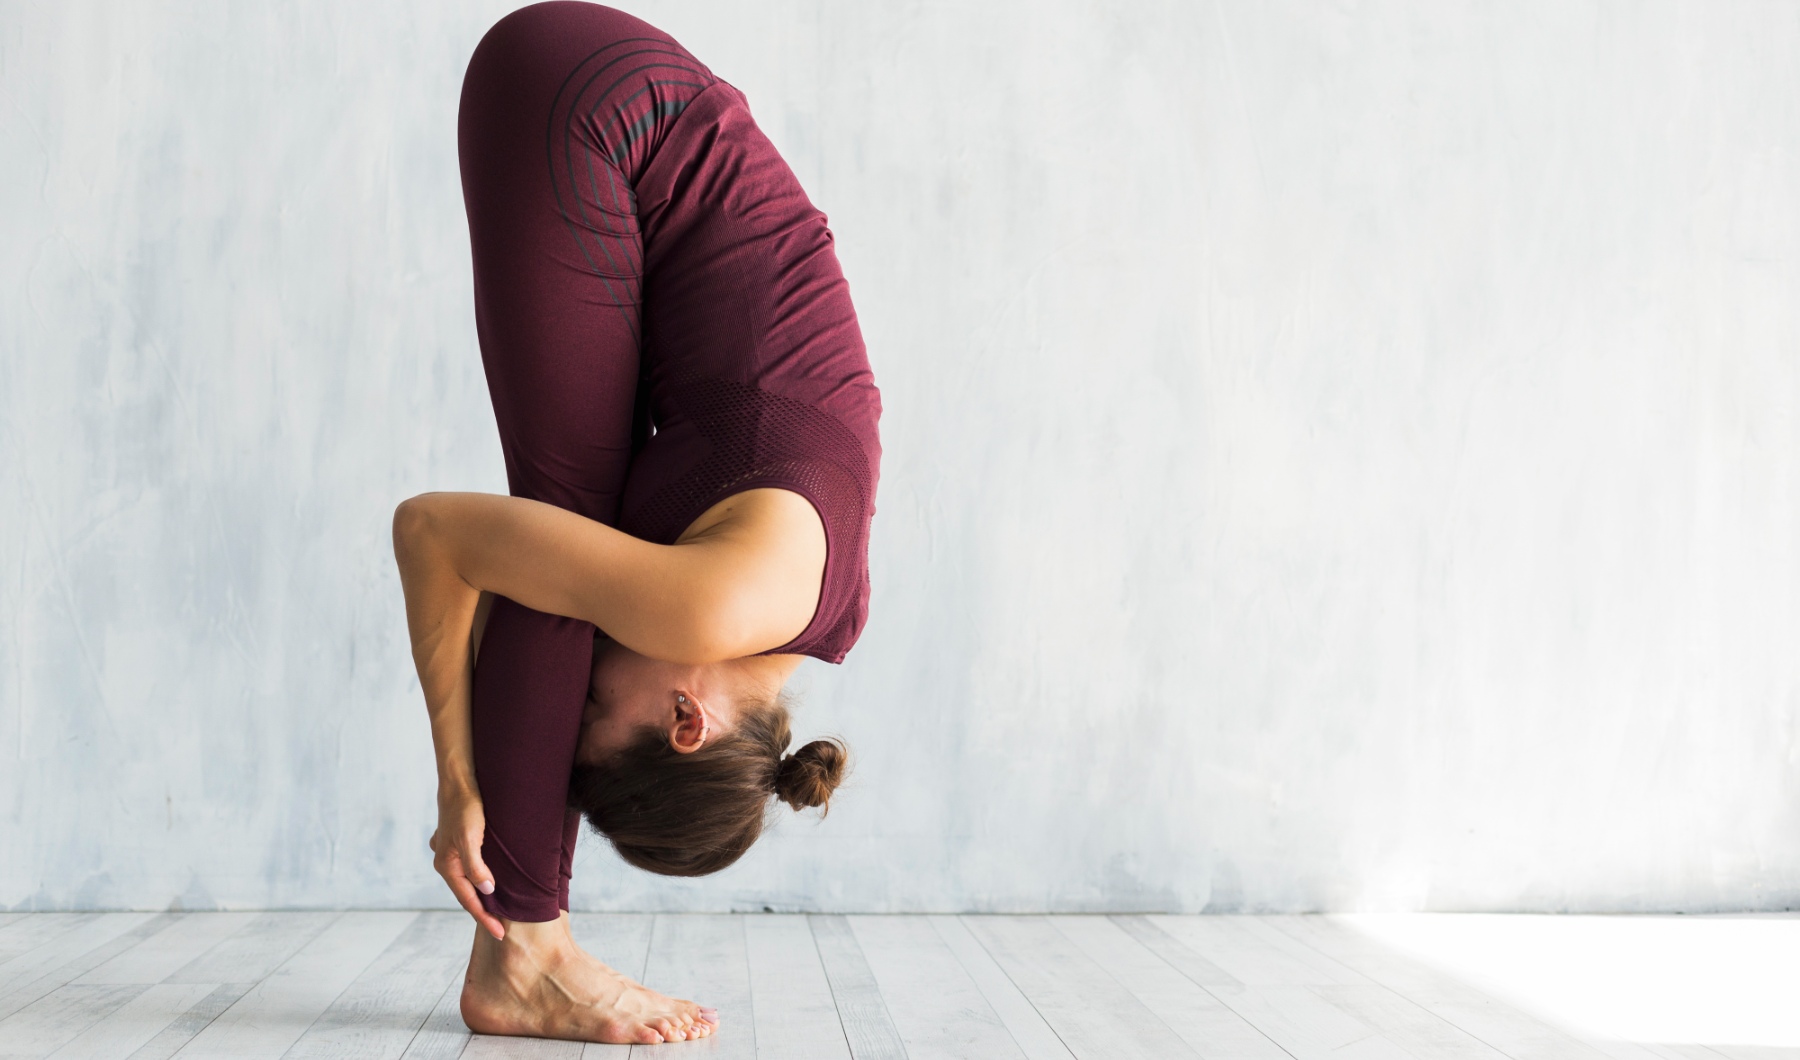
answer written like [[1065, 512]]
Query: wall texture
[[1340, 456]]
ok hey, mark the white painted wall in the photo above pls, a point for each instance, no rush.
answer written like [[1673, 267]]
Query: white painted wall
[[1339, 455]]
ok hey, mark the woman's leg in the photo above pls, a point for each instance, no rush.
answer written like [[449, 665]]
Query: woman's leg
[[559, 345], [561, 104], [558, 264]]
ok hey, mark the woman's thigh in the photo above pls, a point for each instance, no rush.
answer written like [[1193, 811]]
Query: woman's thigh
[[562, 102], [563, 106]]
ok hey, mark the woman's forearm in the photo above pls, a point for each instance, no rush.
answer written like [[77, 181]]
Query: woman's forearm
[[741, 587], [440, 613]]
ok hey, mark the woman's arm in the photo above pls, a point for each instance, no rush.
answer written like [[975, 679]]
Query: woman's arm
[[744, 580], [441, 612]]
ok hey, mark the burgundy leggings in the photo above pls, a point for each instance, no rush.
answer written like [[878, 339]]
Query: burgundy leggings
[[562, 106]]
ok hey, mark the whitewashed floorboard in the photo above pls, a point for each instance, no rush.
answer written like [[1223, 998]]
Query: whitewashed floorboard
[[795, 1015], [444, 1035], [1275, 988], [1231, 944], [1652, 1050], [1674, 1051], [621, 941], [268, 1019], [1414, 1029], [1207, 1024], [135, 1023], [32, 930], [169, 950], [182, 1029], [936, 1006], [380, 1013], [702, 959], [1263, 928], [1307, 1026], [868, 1028], [1022, 1019], [35, 974], [58, 1017], [499, 1047], [254, 950], [1181, 958], [58, 948], [1096, 1017], [1506, 1029]]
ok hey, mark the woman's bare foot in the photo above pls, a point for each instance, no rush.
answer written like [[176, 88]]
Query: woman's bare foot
[[538, 983]]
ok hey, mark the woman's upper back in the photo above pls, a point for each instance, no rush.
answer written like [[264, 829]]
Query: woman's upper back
[[754, 373]]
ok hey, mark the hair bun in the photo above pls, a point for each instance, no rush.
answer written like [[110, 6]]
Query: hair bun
[[808, 776]]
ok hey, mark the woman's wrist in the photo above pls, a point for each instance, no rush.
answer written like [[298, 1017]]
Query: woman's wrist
[[456, 787]]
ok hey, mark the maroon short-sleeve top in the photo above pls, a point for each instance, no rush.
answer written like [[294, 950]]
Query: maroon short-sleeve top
[[753, 370]]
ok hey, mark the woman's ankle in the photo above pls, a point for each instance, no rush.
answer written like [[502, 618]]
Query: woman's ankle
[[539, 939]]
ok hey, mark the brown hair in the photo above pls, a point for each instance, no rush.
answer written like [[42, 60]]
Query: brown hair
[[693, 814]]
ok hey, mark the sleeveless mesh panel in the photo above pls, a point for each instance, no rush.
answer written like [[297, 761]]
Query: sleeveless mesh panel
[[762, 439]]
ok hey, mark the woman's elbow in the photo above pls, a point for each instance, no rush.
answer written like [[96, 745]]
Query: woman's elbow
[[413, 521]]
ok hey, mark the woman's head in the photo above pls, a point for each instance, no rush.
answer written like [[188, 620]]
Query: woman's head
[[677, 763]]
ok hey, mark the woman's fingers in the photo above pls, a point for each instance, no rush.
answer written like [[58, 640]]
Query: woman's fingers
[[467, 898], [474, 867], [450, 867], [457, 843]]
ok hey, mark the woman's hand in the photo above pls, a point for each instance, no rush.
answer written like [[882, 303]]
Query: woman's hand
[[457, 846], [440, 613]]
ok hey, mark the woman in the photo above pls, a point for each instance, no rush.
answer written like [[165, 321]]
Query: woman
[[689, 424]]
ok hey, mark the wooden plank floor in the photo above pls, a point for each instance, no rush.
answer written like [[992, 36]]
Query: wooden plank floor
[[384, 985]]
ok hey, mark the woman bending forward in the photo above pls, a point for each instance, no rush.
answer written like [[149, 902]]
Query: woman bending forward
[[689, 425]]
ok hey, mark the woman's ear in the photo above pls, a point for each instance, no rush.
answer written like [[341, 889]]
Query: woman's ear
[[691, 726]]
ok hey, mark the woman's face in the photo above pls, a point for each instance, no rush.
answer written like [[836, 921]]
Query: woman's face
[[628, 692]]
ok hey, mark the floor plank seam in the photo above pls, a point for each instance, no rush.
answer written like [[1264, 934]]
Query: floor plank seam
[[1402, 998], [1204, 988], [1015, 985]]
